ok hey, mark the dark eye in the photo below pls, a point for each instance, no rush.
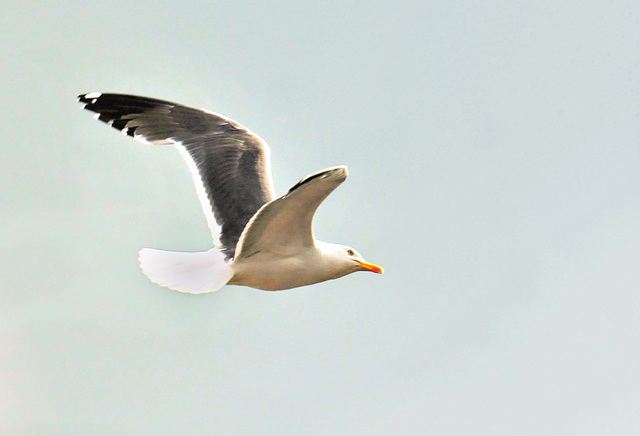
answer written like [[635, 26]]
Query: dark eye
[[350, 252]]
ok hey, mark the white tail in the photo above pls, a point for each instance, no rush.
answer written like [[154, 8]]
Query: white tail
[[192, 272]]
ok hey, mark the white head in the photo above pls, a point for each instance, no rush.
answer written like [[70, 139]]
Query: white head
[[345, 260]]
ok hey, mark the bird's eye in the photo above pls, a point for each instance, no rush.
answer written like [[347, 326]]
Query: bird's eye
[[350, 252]]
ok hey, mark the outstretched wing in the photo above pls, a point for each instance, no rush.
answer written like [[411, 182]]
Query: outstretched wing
[[284, 226], [230, 165]]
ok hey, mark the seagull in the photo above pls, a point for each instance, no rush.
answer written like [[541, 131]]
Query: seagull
[[259, 240]]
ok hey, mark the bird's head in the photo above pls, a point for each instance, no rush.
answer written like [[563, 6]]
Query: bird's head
[[346, 260]]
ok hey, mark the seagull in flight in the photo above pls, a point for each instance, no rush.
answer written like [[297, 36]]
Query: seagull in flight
[[260, 240]]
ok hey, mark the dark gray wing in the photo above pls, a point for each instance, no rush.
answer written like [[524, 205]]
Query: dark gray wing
[[230, 165]]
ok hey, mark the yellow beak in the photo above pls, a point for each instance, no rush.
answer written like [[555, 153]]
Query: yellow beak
[[370, 267]]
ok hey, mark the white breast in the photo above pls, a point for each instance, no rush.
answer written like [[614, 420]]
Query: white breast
[[274, 273]]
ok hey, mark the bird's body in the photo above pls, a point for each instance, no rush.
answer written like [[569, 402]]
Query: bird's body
[[259, 240], [273, 272]]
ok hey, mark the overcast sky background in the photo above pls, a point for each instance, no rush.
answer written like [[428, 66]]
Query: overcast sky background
[[494, 157]]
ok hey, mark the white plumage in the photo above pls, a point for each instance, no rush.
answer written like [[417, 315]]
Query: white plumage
[[191, 272]]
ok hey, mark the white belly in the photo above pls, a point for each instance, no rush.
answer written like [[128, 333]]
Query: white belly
[[271, 273]]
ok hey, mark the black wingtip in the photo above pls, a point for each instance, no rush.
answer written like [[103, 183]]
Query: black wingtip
[[339, 171], [89, 96], [88, 99]]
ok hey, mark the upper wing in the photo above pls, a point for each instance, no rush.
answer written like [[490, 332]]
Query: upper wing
[[284, 226], [230, 165]]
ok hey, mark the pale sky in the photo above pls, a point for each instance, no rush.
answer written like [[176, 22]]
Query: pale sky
[[494, 158]]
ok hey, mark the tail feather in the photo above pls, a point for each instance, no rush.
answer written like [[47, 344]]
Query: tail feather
[[190, 272]]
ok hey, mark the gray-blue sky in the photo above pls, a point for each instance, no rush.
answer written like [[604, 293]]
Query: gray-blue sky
[[495, 162]]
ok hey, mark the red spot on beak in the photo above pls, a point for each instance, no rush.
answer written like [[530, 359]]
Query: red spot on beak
[[370, 267]]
